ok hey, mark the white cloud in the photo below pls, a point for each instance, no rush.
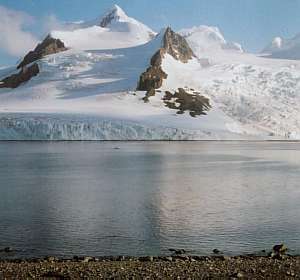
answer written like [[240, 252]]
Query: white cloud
[[51, 22], [14, 40]]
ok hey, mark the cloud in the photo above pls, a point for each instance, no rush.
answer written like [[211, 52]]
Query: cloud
[[15, 40], [51, 22]]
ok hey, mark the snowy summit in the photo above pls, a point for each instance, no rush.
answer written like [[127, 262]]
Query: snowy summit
[[112, 31]]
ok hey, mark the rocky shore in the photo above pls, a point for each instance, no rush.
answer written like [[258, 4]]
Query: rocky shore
[[167, 267]]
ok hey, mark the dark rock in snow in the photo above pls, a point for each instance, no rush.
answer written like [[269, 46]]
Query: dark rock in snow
[[183, 101], [173, 44], [48, 46], [24, 75], [28, 69]]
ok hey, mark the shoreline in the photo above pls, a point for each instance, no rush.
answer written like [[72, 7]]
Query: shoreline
[[161, 267]]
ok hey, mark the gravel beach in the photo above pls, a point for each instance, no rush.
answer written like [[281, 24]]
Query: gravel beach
[[172, 267]]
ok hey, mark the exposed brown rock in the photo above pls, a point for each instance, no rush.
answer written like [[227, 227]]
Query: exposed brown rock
[[152, 79], [173, 44], [48, 46], [149, 94], [24, 75], [154, 76], [183, 101], [157, 58]]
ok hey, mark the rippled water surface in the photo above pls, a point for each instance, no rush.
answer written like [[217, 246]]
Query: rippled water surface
[[142, 198]]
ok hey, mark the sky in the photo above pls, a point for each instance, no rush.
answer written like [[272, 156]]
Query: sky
[[252, 23]]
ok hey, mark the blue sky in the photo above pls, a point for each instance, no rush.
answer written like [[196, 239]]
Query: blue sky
[[253, 23]]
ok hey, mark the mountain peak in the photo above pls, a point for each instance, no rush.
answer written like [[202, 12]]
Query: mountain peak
[[177, 46], [208, 38], [118, 9], [116, 13]]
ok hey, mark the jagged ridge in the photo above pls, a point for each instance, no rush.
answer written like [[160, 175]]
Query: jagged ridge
[[173, 44], [115, 14], [48, 46]]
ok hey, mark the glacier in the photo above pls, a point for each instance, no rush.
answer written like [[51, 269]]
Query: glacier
[[57, 127]]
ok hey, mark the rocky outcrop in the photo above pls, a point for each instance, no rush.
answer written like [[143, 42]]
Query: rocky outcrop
[[109, 18], [48, 46], [154, 76], [24, 75], [30, 69], [182, 101], [173, 44]]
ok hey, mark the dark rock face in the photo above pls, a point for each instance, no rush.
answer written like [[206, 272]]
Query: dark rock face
[[149, 93], [25, 74], [108, 19], [154, 76], [183, 101], [156, 59], [172, 44], [175, 45], [48, 46]]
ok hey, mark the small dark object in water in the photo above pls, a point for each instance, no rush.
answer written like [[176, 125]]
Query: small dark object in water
[[117, 148], [178, 251], [7, 250], [216, 251]]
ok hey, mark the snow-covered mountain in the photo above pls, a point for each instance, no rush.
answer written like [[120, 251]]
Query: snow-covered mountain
[[283, 48], [112, 31], [187, 85], [205, 39]]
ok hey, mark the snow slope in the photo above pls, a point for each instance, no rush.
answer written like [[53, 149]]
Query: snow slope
[[208, 39], [99, 86], [261, 94]]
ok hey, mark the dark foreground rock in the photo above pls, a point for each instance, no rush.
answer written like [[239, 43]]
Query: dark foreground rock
[[154, 268], [48, 46], [28, 68], [24, 75]]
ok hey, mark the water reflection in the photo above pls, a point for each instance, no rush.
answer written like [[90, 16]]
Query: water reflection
[[88, 198]]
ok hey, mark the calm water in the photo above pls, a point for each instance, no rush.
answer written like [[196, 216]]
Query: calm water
[[81, 198]]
